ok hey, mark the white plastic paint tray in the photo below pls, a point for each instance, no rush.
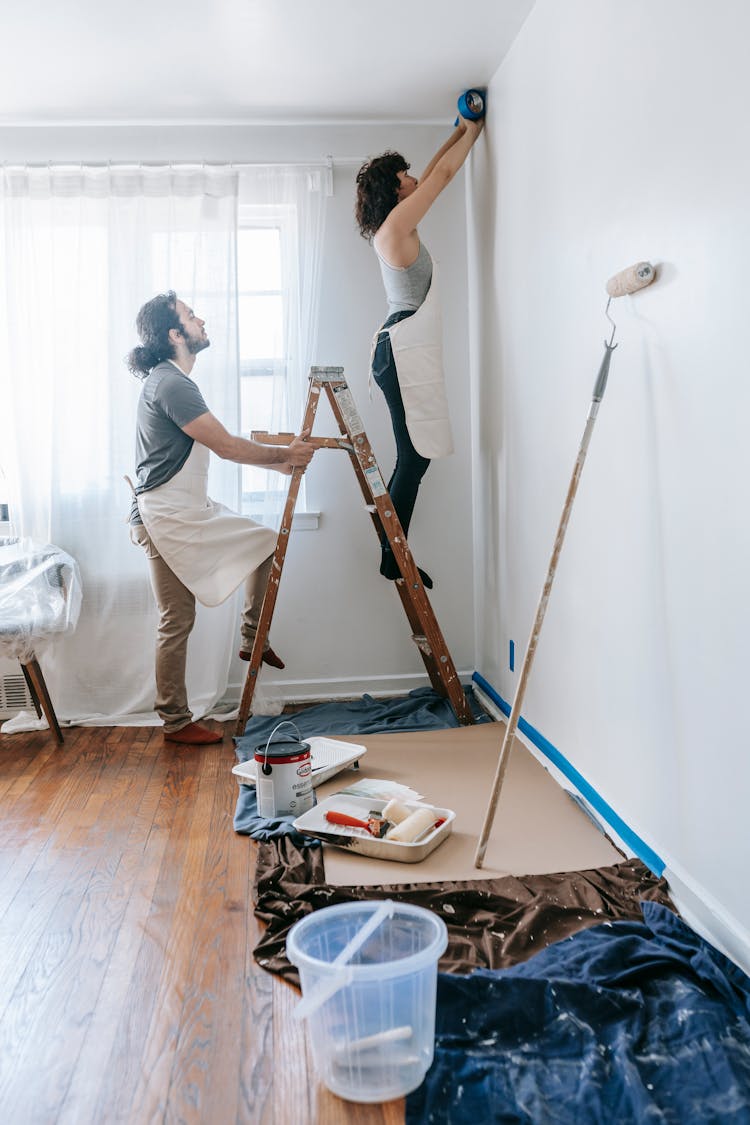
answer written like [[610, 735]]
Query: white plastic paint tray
[[328, 757], [359, 840]]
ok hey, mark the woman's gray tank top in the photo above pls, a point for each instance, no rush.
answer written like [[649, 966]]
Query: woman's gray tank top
[[406, 288]]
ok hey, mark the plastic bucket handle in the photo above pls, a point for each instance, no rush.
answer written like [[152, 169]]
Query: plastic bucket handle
[[311, 1003]]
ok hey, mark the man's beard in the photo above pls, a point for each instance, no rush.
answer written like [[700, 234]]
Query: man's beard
[[197, 344]]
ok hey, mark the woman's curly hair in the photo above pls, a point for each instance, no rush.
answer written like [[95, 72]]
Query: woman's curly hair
[[377, 191]]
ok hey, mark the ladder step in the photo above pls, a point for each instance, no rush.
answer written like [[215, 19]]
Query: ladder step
[[327, 374]]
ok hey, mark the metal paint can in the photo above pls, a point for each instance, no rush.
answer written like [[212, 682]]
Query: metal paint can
[[284, 775]]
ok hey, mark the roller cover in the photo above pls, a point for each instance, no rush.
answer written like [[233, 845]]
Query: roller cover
[[396, 811], [630, 280], [415, 824]]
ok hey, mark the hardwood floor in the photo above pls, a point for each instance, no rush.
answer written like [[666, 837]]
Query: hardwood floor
[[128, 990]]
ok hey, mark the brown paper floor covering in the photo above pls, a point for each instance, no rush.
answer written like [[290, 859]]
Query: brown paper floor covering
[[537, 828], [549, 871]]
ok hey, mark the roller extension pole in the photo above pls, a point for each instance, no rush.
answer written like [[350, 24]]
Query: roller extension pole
[[628, 281]]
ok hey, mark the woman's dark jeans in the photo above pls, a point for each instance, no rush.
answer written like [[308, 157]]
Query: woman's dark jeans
[[410, 466]]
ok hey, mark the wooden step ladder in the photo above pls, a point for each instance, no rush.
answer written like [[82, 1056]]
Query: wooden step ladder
[[425, 629]]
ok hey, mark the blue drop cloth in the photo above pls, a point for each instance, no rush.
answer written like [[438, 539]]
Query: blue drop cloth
[[625, 1023]]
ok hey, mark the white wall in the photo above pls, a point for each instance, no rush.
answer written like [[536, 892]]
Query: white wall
[[338, 624], [617, 133]]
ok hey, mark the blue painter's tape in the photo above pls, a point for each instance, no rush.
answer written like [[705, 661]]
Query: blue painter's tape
[[607, 813], [512, 656], [471, 104]]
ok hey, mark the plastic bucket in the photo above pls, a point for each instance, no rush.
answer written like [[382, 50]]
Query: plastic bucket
[[372, 1036]]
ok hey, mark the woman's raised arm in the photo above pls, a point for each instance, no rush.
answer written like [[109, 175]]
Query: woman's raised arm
[[405, 216]]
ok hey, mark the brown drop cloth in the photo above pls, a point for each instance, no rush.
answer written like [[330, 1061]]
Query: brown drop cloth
[[492, 923]]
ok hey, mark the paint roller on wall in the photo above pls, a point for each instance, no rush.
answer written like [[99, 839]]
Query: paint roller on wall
[[628, 281]]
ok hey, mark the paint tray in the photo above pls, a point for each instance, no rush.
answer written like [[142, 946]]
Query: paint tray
[[328, 756], [359, 840]]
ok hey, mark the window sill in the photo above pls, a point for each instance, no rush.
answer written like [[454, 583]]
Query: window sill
[[301, 521], [305, 521]]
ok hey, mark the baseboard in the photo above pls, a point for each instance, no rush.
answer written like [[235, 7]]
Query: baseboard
[[596, 806], [501, 714], [699, 909], [341, 687], [708, 917]]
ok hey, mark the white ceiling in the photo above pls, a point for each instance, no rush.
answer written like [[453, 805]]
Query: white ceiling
[[181, 61]]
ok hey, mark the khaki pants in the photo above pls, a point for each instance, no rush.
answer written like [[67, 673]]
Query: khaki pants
[[176, 607]]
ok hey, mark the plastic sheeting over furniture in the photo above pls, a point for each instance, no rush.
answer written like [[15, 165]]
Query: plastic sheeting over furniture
[[40, 600], [40, 596]]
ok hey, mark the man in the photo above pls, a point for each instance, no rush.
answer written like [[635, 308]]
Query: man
[[196, 548]]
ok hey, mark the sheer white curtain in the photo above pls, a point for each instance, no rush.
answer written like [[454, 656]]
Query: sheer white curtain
[[82, 249], [293, 198]]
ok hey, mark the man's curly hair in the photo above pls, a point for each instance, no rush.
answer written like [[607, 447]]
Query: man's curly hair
[[154, 322], [377, 191]]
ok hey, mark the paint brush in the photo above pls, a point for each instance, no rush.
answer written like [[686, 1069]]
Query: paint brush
[[376, 824]]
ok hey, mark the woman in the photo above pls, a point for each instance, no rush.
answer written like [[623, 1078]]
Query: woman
[[407, 359]]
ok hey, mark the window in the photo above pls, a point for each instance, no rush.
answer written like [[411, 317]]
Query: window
[[267, 316], [61, 266], [266, 253]]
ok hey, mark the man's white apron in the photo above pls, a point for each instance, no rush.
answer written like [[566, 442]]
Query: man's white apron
[[417, 344], [210, 548]]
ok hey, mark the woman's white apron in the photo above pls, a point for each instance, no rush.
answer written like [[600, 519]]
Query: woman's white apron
[[417, 344], [210, 548]]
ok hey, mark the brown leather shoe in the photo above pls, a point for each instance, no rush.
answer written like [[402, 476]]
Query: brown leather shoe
[[193, 735], [269, 657]]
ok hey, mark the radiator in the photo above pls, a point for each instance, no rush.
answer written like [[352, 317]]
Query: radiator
[[14, 694]]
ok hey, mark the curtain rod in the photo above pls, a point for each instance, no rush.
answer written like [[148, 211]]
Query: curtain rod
[[187, 164]]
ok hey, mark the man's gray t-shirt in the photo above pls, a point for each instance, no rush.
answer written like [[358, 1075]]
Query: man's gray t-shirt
[[169, 400]]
